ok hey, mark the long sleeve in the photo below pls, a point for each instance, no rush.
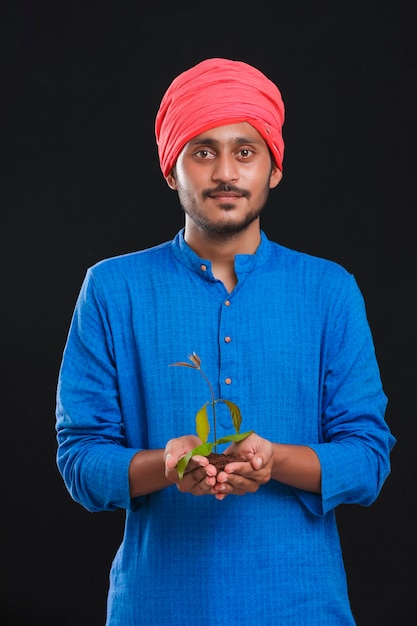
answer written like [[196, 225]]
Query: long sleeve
[[92, 456], [355, 442]]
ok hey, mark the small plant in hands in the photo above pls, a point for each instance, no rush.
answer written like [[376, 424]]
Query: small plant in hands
[[203, 425]]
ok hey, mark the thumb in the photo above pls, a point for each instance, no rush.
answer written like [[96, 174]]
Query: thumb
[[257, 462], [170, 462]]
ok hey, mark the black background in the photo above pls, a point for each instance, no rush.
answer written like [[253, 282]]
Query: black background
[[80, 180]]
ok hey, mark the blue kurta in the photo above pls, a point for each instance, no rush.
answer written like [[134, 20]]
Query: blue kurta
[[292, 347]]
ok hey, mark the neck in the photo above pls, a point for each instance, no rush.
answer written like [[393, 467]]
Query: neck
[[222, 248], [221, 251]]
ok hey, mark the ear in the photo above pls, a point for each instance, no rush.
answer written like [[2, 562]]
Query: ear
[[275, 177], [172, 183]]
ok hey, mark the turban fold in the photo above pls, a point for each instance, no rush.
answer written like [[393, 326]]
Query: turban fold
[[214, 93]]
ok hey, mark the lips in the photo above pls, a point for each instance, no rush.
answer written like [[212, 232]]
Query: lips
[[225, 194]]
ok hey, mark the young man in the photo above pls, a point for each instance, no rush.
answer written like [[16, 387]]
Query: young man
[[281, 334]]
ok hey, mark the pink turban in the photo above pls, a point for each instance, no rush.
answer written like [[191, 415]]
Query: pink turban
[[214, 93]]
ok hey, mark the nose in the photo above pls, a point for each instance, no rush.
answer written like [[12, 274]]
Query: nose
[[225, 168]]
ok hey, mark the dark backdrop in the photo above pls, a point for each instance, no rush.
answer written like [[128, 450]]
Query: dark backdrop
[[80, 86]]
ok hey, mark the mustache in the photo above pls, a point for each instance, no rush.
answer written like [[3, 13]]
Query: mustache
[[226, 189]]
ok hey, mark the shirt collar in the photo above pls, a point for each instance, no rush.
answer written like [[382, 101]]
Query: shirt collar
[[244, 263]]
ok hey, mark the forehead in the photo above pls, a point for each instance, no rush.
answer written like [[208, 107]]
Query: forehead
[[229, 134]]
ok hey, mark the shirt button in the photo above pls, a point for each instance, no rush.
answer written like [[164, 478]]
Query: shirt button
[[228, 339], [228, 381], [227, 303], [203, 268]]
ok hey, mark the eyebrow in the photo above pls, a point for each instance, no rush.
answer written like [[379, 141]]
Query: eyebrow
[[208, 141]]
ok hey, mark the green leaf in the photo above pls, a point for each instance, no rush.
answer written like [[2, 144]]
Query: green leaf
[[236, 437], [202, 423], [203, 450], [182, 464], [235, 414]]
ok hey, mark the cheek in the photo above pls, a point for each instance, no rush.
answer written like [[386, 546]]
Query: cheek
[[186, 194], [186, 187], [182, 187]]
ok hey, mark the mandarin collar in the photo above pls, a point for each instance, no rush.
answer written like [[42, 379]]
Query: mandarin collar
[[244, 263]]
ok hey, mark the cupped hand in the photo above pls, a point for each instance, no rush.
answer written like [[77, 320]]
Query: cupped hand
[[246, 476], [200, 475]]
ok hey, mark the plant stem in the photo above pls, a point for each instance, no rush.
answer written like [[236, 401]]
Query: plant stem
[[213, 404]]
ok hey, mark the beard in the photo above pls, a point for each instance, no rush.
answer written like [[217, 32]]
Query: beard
[[223, 228]]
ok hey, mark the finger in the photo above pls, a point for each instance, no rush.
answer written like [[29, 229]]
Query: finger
[[220, 496], [257, 462], [237, 484], [170, 461]]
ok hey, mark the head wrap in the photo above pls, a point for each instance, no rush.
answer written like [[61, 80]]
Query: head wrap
[[216, 92]]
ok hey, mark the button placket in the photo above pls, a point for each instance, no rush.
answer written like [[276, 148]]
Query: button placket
[[227, 339]]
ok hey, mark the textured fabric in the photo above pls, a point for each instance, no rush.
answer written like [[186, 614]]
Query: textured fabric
[[303, 370], [213, 93]]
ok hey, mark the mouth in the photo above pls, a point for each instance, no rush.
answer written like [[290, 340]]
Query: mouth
[[225, 193]]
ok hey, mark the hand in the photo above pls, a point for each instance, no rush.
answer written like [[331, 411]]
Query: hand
[[241, 477], [199, 477]]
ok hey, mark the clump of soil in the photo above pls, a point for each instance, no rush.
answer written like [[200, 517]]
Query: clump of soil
[[221, 460]]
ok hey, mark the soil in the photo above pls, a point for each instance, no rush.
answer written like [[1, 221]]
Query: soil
[[220, 460]]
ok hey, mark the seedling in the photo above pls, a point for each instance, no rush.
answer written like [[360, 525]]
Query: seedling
[[203, 424]]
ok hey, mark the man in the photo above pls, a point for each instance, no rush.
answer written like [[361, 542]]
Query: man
[[281, 334]]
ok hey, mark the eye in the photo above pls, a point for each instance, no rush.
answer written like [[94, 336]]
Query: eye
[[204, 154], [245, 153]]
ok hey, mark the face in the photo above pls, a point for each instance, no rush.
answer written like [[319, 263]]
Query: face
[[223, 178]]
